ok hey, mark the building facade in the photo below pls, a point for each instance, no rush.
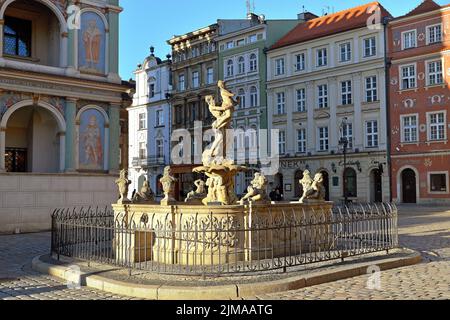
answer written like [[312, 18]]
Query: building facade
[[194, 76], [60, 103], [419, 97], [242, 64], [326, 81], [150, 124]]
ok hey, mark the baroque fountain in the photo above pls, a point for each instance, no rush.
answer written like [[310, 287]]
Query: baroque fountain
[[212, 213]]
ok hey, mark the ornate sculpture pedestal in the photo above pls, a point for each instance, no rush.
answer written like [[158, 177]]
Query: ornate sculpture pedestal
[[196, 235]]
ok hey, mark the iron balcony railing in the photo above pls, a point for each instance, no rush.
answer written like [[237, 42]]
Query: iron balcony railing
[[207, 245], [148, 162]]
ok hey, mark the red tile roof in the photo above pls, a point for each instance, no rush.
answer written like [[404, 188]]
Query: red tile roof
[[425, 6], [331, 24]]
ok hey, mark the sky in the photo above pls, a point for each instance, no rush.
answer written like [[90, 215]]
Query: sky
[[145, 23]]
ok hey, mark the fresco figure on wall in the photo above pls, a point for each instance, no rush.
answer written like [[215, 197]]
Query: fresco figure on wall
[[91, 140], [92, 38], [92, 44]]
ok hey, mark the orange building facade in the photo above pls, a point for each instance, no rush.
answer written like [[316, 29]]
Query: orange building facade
[[419, 115]]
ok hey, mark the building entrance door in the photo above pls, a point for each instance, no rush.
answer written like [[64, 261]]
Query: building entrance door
[[409, 189], [16, 160], [377, 185]]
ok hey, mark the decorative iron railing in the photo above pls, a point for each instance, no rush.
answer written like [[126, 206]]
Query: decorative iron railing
[[211, 245]]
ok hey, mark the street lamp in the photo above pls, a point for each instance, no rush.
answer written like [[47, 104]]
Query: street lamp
[[344, 143]]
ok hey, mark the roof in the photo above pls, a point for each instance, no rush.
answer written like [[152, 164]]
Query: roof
[[341, 21], [425, 6]]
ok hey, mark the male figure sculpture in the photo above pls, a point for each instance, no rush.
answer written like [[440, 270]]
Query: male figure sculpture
[[122, 184], [167, 182]]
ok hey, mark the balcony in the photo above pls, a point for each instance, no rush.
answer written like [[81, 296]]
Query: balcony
[[148, 162]]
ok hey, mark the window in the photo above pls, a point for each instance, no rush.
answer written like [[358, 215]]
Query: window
[[409, 39], [435, 75], [322, 59], [210, 76], [409, 129], [253, 97], [17, 37], [252, 38], [240, 42], [301, 141], [323, 96], [438, 182], [230, 68], [370, 48], [152, 90], [346, 92], [253, 63], [159, 118], [178, 114], [323, 139], [372, 133], [159, 148], [281, 103], [345, 52], [282, 142], [142, 150], [408, 77], [434, 34], [347, 133], [181, 83], [300, 62], [241, 65], [301, 100], [351, 185], [279, 66], [436, 126], [371, 89], [195, 79], [241, 96], [230, 45], [142, 121]]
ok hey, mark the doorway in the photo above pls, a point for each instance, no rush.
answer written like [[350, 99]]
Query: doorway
[[326, 184], [409, 188], [376, 186]]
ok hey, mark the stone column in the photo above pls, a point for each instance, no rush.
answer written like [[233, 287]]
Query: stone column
[[2, 23], [63, 54], [114, 136], [2, 149], [70, 141], [62, 151]]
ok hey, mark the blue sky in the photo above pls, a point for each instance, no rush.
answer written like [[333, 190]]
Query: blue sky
[[146, 23]]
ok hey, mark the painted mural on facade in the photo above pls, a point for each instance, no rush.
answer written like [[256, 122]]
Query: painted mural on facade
[[92, 140], [7, 100], [92, 44]]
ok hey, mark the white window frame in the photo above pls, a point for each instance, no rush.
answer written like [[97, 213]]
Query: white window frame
[[159, 118], [157, 148], [372, 48], [300, 94], [409, 76], [321, 59], [282, 142], [300, 61], [210, 75], [143, 151], [414, 38], [323, 140], [430, 173], [281, 102], [409, 127], [302, 140], [429, 34], [241, 65], [254, 97], [253, 62], [142, 122], [370, 136], [280, 66], [251, 37], [371, 91], [347, 132], [229, 68], [429, 74], [181, 84], [195, 79], [429, 125], [347, 52], [346, 92], [322, 99]]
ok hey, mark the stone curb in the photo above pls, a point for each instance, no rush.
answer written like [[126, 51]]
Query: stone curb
[[227, 292]]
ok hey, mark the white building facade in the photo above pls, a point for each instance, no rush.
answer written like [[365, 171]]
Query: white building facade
[[322, 86], [149, 124]]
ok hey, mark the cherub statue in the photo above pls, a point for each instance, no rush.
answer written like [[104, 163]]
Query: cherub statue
[[197, 194], [317, 190], [145, 194], [257, 190], [123, 184], [167, 182], [306, 183]]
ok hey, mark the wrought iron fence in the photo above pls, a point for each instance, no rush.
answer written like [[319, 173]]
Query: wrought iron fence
[[213, 245]]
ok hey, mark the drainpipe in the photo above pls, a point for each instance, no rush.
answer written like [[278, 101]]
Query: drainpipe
[[387, 66]]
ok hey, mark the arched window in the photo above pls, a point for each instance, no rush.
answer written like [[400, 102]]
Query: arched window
[[241, 95], [351, 186], [253, 63], [253, 96], [230, 68], [241, 65]]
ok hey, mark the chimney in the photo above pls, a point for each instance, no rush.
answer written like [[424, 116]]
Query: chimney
[[306, 16]]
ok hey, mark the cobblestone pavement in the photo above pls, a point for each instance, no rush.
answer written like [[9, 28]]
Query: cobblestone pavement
[[421, 228], [19, 282], [424, 229]]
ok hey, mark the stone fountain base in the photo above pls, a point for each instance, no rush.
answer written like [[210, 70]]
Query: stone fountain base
[[195, 235]]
